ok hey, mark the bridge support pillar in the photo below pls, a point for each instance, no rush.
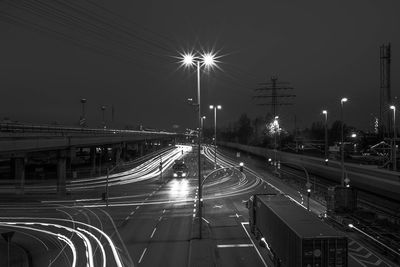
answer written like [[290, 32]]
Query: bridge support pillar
[[117, 154], [62, 172], [93, 161], [18, 169], [141, 149]]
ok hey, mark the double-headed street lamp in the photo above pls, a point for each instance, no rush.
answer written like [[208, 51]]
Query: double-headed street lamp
[[206, 60], [325, 112], [342, 101], [215, 107], [394, 138]]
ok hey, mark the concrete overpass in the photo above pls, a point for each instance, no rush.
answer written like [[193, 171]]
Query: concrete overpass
[[20, 142]]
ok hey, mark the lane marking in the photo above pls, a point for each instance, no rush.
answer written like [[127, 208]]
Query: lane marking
[[132, 212], [163, 211], [205, 220], [141, 257], [235, 246], [127, 218], [258, 252], [137, 207], [159, 219], [151, 236]]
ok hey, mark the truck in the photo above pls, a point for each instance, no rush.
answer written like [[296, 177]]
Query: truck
[[293, 236]]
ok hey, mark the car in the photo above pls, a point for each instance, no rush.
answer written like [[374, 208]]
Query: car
[[179, 169]]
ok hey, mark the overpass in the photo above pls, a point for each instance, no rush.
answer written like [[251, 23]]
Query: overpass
[[21, 142]]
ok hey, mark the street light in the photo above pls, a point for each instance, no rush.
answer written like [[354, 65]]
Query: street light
[[82, 121], [215, 107], [325, 112], [276, 130], [207, 60], [343, 100], [394, 138], [103, 109]]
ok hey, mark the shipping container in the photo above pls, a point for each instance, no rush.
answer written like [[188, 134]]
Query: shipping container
[[293, 236]]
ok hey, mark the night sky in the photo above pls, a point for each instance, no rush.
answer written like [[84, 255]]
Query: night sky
[[124, 54]]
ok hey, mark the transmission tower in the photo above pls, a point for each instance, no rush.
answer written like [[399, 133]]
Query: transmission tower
[[385, 118], [275, 97]]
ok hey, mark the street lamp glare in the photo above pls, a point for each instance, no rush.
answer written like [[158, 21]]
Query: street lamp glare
[[324, 112], [209, 59], [219, 107], [204, 117], [211, 106], [344, 99], [188, 59], [393, 107]]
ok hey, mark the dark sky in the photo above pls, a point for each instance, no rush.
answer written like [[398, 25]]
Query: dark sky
[[121, 54]]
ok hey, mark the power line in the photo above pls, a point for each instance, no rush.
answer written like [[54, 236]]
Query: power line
[[272, 88]]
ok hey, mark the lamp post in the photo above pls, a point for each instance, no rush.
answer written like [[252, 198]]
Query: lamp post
[[394, 138], [82, 122], [208, 60], [342, 101], [103, 109], [215, 107], [325, 112], [276, 130]]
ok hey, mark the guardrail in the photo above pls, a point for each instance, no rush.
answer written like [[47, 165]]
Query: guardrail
[[64, 130]]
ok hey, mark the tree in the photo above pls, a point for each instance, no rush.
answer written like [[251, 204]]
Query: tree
[[244, 129]]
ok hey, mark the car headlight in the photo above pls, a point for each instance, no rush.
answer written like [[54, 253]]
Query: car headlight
[[175, 175], [184, 174]]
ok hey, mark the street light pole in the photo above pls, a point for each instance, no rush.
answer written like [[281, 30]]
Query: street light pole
[[207, 60], [103, 108], [343, 100], [325, 112], [215, 107], [198, 150], [394, 139]]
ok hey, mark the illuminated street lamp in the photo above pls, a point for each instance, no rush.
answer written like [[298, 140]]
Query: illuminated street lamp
[[215, 107], [325, 112], [343, 100], [275, 126], [394, 138], [206, 60]]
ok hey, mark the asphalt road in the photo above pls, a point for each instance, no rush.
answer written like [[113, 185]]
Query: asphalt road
[[151, 221]]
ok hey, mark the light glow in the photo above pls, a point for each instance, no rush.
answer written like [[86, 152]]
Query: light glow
[[208, 59], [344, 99], [188, 59]]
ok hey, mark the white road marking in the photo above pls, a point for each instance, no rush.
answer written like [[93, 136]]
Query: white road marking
[[127, 218], [163, 211], [141, 257], [235, 215], [132, 212], [153, 232], [258, 252], [235, 246]]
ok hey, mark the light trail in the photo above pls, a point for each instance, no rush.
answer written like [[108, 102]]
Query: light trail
[[110, 242], [59, 236]]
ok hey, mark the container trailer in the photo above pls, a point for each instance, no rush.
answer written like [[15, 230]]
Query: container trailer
[[294, 236]]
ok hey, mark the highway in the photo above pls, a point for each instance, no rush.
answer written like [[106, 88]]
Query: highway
[[150, 218]]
